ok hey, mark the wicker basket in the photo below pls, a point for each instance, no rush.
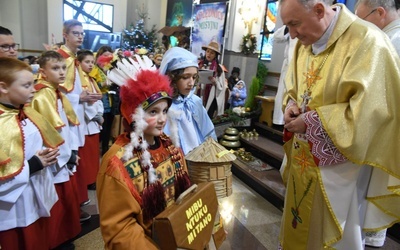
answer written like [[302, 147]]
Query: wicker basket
[[212, 162]]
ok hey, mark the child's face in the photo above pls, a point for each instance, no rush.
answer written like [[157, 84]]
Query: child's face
[[239, 85], [20, 91], [87, 64], [210, 55], [187, 81], [54, 71], [156, 118], [158, 60], [74, 38], [7, 41]]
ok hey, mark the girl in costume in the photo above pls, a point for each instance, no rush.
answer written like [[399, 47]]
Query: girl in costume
[[189, 119], [143, 172], [27, 191], [215, 100]]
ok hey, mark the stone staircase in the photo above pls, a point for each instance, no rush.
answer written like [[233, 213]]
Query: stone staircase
[[267, 147], [268, 183]]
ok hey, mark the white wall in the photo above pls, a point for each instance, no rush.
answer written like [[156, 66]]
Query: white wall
[[33, 21], [10, 17], [27, 19], [236, 27]]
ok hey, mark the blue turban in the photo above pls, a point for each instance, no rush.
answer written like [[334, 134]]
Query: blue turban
[[177, 58]]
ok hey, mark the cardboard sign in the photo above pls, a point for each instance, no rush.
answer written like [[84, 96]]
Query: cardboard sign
[[188, 225]]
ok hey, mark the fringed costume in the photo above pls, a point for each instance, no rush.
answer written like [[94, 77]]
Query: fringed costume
[[136, 180]]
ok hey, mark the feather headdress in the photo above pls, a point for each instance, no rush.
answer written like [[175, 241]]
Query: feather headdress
[[141, 86]]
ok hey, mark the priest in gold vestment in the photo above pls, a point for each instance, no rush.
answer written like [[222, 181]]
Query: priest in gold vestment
[[341, 168]]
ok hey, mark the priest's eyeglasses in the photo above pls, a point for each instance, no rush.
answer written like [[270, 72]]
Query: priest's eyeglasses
[[8, 47], [372, 11], [77, 33]]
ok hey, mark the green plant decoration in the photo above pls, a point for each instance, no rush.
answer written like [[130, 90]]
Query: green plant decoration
[[228, 116], [253, 91], [257, 86], [262, 71], [249, 44]]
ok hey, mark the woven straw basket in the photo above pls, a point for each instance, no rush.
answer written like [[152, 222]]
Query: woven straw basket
[[211, 162]]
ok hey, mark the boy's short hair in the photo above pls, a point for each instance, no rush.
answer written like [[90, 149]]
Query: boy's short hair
[[49, 55], [68, 24], [10, 66], [5, 31], [81, 54]]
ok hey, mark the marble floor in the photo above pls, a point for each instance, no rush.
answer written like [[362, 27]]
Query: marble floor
[[250, 220]]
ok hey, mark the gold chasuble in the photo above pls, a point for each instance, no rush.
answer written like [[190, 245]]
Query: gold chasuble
[[72, 66], [12, 138], [45, 102], [356, 98]]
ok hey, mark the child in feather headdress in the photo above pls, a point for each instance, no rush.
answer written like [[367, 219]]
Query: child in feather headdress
[[143, 172]]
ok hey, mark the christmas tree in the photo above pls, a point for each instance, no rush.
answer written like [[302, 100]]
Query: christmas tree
[[137, 37]]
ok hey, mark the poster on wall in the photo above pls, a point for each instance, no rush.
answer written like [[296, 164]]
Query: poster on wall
[[208, 25], [179, 13]]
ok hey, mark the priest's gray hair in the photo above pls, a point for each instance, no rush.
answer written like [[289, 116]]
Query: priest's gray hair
[[308, 4], [373, 4]]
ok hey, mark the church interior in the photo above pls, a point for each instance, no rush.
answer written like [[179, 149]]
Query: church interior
[[253, 193]]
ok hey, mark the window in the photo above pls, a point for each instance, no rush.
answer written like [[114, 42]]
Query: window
[[267, 34], [93, 16]]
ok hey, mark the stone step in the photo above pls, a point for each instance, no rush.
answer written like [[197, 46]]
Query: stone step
[[267, 183], [274, 132], [265, 149]]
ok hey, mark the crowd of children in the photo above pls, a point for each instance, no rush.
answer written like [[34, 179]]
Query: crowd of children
[[52, 128]]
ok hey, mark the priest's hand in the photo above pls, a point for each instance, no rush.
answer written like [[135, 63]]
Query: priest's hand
[[291, 113], [296, 125]]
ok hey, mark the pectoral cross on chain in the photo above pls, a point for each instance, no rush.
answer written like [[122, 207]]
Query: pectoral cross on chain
[[306, 99], [312, 76]]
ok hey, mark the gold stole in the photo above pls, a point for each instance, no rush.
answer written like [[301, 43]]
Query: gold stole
[[305, 199], [90, 84], [12, 145], [45, 102], [72, 65]]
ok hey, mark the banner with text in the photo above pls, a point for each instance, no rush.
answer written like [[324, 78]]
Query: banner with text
[[208, 25]]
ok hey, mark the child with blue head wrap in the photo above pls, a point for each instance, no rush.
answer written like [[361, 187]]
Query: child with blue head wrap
[[187, 116]]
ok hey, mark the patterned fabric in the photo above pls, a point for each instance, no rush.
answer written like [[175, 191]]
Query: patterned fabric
[[324, 151]]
